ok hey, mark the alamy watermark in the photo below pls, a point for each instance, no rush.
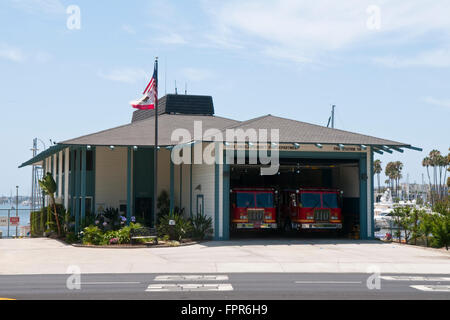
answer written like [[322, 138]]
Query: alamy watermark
[[73, 282], [74, 19], [374, 20], [374, 280], [214, 146]]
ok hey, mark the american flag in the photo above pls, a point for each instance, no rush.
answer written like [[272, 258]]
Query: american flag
[[150, 95]]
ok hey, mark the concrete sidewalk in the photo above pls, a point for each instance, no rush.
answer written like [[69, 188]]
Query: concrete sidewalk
[[47, 256]]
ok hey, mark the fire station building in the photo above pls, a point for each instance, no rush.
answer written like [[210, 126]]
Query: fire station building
[[114, 167]]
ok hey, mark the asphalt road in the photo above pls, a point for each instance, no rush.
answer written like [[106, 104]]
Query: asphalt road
[[258, 286]]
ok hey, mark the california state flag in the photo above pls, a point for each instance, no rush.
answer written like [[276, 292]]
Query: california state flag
[[150, 97]]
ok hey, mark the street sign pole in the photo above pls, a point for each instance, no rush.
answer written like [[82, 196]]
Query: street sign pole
[[17, 206], [7, 235]]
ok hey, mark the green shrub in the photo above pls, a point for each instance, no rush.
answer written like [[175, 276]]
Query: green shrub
[[92, 235], [109, 236], [426, 226], [71, 237], [441, 231], [180, 230], [201, 226], [109, 219], [124, 233], [35, 224]]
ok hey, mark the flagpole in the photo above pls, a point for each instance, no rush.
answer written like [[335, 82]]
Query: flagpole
[[155, 153]]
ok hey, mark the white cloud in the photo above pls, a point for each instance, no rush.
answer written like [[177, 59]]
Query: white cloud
[[301, 31], [11, 53], [35, 6], [124, 75], [437, 102], [195, 74], [439, 58]]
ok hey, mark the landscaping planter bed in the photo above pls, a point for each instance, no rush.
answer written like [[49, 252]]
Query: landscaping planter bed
[[161, 244]]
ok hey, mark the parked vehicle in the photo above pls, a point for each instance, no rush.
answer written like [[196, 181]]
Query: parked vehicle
[[311, 209], [253, 208]]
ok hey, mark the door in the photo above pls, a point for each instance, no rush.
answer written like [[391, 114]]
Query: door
[[144, 211]]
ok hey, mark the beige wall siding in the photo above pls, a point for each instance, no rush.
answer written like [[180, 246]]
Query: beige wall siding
[[110, 176], [186, 189], [204, 175]]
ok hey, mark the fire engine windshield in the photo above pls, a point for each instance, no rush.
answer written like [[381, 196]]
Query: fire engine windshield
[[245, 200], [264, 200], [310, 200], [330, 200]]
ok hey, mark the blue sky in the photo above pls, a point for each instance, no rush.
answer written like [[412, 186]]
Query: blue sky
[[288, 58]]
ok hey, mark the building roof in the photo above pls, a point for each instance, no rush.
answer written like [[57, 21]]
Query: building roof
[[42, 155], [294, 131], [178, 104], [175, 115], [142, 133]]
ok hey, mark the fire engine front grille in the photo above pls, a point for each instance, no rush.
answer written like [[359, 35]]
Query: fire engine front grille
[[255, 214], [322, 215]]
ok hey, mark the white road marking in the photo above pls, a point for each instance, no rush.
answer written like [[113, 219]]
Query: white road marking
[[192, 277], [414, 278], [328, 282], [111, 282], [432, 288], [183, 287]]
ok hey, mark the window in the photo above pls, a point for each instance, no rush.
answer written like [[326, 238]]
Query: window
[[264, 200], [330, 200], [311, 200], [245, 200]]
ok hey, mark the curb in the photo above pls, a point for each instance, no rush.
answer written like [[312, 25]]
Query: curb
[[77, 245]]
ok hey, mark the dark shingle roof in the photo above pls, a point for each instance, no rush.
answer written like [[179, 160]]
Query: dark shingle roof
[[142, 133], [302, 132], [178, 104]]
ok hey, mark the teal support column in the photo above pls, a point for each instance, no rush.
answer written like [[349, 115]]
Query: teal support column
[[172, 189], [372, 232], [216, 193], [181, 185], [83, 187], [94, 153], [363, 175], [226, 202], [190, 189], [77, 189], [129, 193], [72, 181]]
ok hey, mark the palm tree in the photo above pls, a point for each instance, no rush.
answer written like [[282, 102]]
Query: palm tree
[[377, 170], [398, 167], [48, 185], [389, 171]]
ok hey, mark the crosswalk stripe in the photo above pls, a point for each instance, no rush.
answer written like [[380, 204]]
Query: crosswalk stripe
[[432, 288], [414, 278], [191, 277], [183, 287]]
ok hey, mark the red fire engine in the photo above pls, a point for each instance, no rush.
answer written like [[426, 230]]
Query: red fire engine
[[253, 208], [311, 209]]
